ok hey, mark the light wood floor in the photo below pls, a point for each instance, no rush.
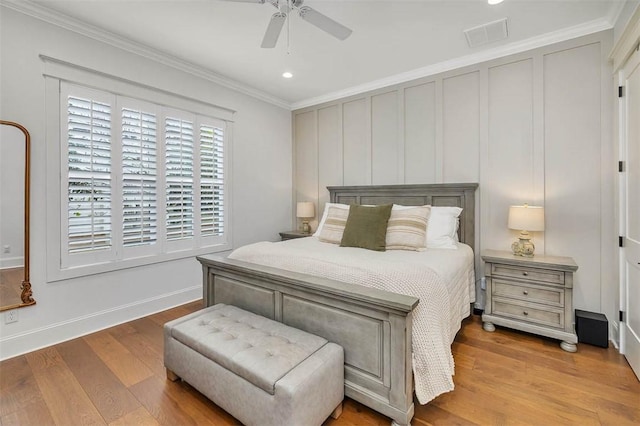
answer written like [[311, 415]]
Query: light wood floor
[[116, 377], [10, 286]]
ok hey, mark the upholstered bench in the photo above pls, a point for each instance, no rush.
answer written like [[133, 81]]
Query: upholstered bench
[[260, 371]]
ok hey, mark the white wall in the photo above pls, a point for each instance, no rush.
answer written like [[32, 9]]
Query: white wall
[[533, 127], [261, 183], [12, 154]]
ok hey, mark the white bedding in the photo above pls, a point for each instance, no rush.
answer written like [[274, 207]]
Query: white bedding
[[442, 279]]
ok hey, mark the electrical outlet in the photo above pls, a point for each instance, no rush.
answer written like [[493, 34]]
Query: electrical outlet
[[6, 249], [11, 316], [483, 283]]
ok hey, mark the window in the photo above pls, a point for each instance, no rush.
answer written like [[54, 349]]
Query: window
[[140, 180], [89, 170], [179, 172], [212, 181]]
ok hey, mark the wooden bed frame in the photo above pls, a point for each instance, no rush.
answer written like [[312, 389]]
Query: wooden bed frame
[[373, 326]]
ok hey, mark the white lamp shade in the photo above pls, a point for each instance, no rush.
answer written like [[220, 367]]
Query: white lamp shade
[[526, 218], [305, 209]]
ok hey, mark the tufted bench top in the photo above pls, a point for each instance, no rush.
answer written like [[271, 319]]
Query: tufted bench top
[[258, 349]]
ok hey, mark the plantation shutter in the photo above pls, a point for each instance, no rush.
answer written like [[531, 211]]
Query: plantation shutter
[[179, 179], [89, 175], [211, 180], [139, 182], [139, 176]]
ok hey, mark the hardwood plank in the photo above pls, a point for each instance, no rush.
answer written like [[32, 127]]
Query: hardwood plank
[[164, 409], [431, 414], [122, 330], [599, 378], [129, 369], [530, 393], [151, 330], [112, 399], [165, 316], [139, 417], [18, 387], [505, 377], [66, 399], [621, 406], [145, 350], [356, 414], [462, 360], [197, 403], [470, 406], [44, 358], [34, 413]]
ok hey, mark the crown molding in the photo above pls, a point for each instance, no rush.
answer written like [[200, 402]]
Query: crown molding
[[564, 34], [627, 42], [53, 17], [56, 18], [615, 11]]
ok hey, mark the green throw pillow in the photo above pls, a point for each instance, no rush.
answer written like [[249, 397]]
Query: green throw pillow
[[366, 227]]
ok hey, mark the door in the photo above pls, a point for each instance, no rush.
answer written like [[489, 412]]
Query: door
[[630, 254]]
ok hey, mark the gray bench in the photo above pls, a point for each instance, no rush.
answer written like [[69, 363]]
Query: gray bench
[[260, 371]]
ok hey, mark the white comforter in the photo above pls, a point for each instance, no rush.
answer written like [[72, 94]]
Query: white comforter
[[443, 280]]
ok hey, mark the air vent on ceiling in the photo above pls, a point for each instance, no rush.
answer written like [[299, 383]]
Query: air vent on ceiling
[[487, 33]]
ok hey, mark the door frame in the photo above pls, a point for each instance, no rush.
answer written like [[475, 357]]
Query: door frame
[[620, 54]]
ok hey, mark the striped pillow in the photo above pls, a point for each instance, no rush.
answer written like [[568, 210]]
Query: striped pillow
[[407, 228], [334, 224]]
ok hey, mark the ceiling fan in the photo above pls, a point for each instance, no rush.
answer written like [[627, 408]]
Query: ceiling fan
[[310, 15]]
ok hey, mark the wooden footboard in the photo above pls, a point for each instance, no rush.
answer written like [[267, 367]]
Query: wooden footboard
[[373, 326]]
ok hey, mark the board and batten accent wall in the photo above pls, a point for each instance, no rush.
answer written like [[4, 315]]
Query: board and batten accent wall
[[533, 127]]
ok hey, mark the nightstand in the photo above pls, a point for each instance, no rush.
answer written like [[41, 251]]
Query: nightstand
[[291, 235], [532, 294]]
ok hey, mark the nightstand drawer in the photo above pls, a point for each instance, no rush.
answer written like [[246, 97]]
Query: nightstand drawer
[[529, 293], [525, 312], [533, 274]]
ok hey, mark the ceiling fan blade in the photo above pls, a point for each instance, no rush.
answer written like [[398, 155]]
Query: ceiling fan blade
[[273, 30], [325, 23]]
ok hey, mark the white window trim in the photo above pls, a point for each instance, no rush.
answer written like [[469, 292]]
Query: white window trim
[[56, 71]]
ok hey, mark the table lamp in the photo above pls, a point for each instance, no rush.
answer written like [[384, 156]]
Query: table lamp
[[524, 219], [305, 210]]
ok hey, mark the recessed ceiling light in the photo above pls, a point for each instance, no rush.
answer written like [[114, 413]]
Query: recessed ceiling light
[[495, 1], [287, 74]]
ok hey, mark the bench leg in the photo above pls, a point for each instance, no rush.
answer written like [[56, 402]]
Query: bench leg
[[172, 376], [336, 413]]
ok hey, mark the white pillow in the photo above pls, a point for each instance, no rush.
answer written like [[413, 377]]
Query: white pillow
[[325, 213], [443, 227]]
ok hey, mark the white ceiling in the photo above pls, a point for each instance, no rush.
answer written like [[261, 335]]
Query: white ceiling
[[390, 38]]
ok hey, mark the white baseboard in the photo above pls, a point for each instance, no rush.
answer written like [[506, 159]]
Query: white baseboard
[[11, 262], [614, 335], [18, 344]]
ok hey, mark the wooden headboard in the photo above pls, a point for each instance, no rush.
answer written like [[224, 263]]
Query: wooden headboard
[[445, 194]]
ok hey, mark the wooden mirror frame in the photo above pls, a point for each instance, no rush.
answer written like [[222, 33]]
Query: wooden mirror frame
[[26, 295]]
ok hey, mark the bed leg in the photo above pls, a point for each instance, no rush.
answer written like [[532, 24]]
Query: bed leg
[[337, 412], [172, 376]]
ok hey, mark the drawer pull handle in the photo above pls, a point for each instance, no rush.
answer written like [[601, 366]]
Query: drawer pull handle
[[525, 292], [526, 313], [525, 273]]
